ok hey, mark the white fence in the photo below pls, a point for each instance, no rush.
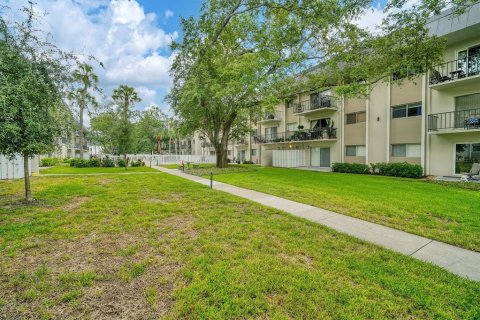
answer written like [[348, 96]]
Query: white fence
[[13, 169], [166, 159], [288, 158]]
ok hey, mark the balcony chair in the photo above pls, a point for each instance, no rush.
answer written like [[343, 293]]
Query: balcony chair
[[472, 122], [473, 174]]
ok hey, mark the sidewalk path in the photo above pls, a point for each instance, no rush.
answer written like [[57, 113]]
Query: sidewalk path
[[457, 260]]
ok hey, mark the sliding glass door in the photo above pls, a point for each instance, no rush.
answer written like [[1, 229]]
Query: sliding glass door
[[466, 154]]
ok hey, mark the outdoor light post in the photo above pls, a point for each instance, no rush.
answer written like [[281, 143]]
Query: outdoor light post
[[211, 180]]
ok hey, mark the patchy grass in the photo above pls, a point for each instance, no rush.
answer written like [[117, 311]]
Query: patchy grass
[[441, 211], [73, 170], [198, 254]]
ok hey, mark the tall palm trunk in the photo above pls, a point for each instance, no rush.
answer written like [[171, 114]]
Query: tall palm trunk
[[82, 109]]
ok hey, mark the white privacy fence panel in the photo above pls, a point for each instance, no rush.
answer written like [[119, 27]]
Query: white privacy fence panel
[[12, 169], [288, 158], [167, 159]]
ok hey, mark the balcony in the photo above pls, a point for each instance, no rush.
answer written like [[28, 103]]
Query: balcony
[[323, 103], [454, 121], [455, 73], [271, 118], [297, 136]]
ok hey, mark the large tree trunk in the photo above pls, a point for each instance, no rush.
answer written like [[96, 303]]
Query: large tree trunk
[[221, 154], [125, 159], [28, 190]]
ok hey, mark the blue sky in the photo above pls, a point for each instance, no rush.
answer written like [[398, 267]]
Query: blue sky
[[131, 38]]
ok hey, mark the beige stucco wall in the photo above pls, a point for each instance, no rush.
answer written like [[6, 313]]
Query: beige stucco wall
[[354, 105], [442, 150], [355, 159], [355, 134], [406, 130], [407, 91], [378, 123]]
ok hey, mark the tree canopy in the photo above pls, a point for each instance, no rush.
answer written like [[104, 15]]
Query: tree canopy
[[34, 75]]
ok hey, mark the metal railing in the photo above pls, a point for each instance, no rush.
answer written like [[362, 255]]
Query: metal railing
[[323, 101], [456, 69], [277, 115], [300, 135], [465, 119]]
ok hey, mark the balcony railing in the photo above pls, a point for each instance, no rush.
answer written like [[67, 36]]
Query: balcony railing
[[456, 69], [323, 101], [465, 119], [272, 116], [300, 135]]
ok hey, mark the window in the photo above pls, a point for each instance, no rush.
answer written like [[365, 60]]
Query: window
[[254, 152], [271, 132], [355, 151], [320, 123], [407, 110], [292, 126], [406, 150], [468, 60], [356, 117], [466, 155]]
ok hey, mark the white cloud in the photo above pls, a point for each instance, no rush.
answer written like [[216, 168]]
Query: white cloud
[[128, 41], [168, 14], [371, 18]]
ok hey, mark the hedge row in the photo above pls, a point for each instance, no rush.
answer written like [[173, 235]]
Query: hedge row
[[50, 162], [394, 169], [91, 163], [95, 162]]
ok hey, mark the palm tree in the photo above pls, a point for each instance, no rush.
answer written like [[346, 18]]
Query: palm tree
[[125, 97], [88, 80]]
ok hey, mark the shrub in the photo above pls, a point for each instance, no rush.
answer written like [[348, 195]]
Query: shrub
[[94, 162], [80, 163], [72, 162], [398, 169], [140, 163], [108, 163], [121, 163], [50, 162], [247, 162], [351, 168]]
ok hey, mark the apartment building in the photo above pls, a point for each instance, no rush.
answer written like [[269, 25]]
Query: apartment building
[[432, 120]]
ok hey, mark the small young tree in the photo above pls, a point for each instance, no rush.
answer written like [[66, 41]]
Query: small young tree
[[33, 77], [125, 97]]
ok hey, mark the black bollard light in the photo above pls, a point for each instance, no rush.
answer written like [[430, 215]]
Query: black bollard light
[[211, 180]]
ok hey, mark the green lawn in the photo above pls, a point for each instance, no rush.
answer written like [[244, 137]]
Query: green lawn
[[441, 211], [72, 170], [157, 246]]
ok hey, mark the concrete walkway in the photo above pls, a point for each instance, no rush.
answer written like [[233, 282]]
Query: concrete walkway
[[460, 261]]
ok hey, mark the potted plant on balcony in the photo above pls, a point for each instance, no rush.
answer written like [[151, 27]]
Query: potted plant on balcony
[[330, 129], [300, 127]]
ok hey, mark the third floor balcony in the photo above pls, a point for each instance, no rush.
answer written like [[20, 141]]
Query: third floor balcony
[[315, 105], [456, 72], [271, 117]]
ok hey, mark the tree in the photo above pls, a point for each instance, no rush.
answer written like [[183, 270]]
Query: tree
[[151, 130], [103, 129], [239, 57], [82, 95], [125, 97], [33, 76]]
